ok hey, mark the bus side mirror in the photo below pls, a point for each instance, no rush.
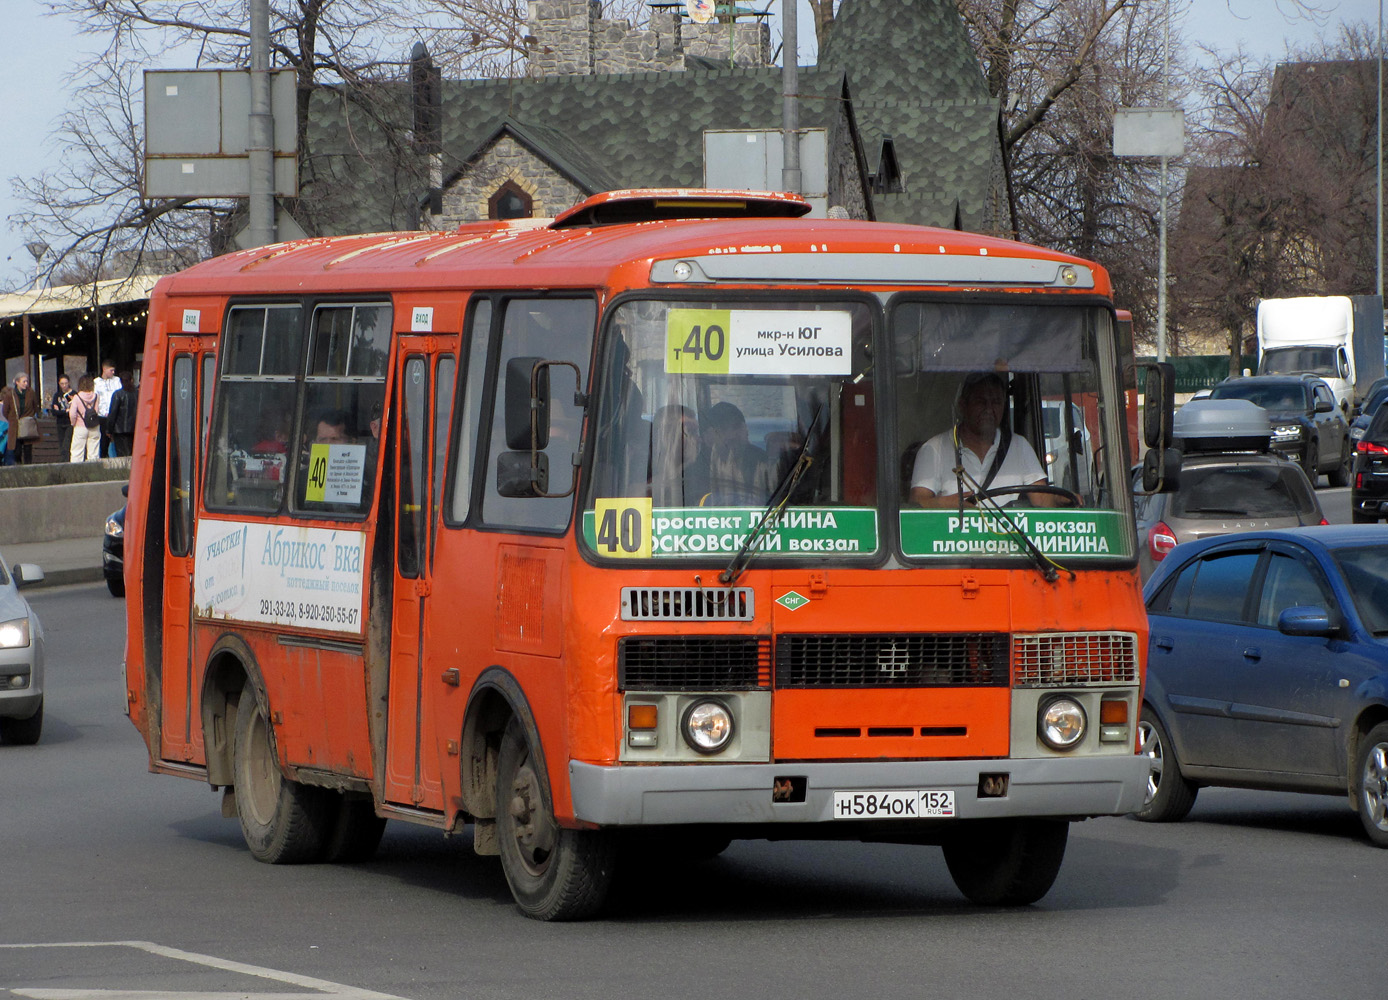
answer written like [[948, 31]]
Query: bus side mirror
[[1161, 470], [519, 474], [527, 396], [1159, 404]]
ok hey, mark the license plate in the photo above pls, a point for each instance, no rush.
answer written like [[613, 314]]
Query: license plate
[[918, 804]]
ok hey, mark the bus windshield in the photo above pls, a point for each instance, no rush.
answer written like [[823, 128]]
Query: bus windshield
[[707, 407]]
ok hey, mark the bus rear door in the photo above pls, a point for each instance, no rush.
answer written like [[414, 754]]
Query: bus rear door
[[189, 379]]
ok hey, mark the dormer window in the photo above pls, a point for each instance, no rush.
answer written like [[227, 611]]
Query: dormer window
[[510, 202]]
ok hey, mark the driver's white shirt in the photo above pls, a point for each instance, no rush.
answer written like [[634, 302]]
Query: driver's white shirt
[[934, 468]]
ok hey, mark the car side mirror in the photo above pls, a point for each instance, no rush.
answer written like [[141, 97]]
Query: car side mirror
[[1324, 406], [1310, 621], [26, 574]]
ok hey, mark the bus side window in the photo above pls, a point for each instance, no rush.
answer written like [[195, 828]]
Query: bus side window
[[556, 330], [253, 406], [181, 431], [344, 388], [475, 390]]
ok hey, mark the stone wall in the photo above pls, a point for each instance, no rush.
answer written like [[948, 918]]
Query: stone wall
[[571, 37], [467, 197]]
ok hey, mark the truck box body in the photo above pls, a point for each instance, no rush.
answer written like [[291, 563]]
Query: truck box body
[[1338, 337]]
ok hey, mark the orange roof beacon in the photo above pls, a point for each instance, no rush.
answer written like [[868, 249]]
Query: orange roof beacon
[[671, 512]]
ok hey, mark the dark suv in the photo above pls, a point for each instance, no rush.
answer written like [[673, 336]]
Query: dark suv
[[1368, 490], [1307, 426]]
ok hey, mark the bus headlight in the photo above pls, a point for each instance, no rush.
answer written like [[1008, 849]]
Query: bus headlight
[[707, 726], [1062, 723]]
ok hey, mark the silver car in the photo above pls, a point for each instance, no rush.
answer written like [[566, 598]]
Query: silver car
[[21, 657], [1220, 494]]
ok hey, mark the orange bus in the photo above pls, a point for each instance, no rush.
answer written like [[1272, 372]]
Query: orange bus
[[595, 534]]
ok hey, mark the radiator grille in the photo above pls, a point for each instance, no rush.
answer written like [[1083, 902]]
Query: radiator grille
[[935, 660], [700, 604], [1052, 659], [683, 663]]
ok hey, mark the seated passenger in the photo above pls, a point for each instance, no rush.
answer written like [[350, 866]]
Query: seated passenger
[[679, 466], [977, 442], [738, 472]]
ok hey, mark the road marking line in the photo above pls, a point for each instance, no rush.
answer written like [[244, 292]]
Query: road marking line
[[321, 987]]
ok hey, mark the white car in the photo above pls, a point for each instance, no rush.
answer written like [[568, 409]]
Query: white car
[[21, 657]]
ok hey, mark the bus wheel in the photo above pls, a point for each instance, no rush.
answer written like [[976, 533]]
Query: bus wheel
[[554, 873], [1007, 862], [284, 822], [355, 830]]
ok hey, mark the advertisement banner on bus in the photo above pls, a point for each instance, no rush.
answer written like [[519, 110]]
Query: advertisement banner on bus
[[280, 574]]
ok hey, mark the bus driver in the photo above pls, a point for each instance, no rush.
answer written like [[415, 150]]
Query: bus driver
[[990, 457]]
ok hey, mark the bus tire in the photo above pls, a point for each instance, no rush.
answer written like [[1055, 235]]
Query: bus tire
[[282, 821], [554, 873], [1011, 862], [355, 830]]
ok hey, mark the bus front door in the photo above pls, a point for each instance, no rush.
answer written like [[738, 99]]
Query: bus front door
[[419, 428]]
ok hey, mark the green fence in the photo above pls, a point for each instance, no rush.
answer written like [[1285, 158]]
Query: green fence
[[1200, 371]]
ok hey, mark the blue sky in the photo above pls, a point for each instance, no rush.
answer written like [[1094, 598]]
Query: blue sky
[[34, 80]]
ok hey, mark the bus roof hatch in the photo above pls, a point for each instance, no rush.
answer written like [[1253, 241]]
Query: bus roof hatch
[[659, 204]]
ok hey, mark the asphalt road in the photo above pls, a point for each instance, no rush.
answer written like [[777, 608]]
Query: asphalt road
[[118, 880]]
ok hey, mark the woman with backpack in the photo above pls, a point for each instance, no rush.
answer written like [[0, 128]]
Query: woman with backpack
[[86, 424]]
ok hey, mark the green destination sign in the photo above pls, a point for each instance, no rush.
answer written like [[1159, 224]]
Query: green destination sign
[[632, 529], [1058, 533]]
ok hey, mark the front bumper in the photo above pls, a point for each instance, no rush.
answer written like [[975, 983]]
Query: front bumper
[[742, 793], [20, 703]]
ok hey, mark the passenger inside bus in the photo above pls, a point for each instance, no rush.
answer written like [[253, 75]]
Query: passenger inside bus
[[982, 443], [738, 470], [331, 427], [679, 463]]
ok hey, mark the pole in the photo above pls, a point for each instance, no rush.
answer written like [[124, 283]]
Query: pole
[[790, 86], [1161, 227], [260, 148]]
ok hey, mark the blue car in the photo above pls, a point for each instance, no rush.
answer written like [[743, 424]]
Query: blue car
[[1268, 668]]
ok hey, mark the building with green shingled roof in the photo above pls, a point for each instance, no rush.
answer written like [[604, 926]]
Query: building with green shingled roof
[[911, 134]]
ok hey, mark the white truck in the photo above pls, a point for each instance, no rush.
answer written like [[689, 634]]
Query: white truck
[[1338, 337]]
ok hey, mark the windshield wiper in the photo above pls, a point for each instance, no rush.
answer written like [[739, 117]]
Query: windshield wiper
[[1048, 567], [771, 513]]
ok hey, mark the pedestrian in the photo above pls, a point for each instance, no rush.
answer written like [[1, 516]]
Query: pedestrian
[[105, 387], [20, 406], [86, 425], [58, 410], [120, 418]]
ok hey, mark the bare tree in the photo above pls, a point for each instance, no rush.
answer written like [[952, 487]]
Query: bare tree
[[1281, 199], [92, 207]]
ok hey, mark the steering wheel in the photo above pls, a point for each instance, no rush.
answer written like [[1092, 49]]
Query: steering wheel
[[1074, 498]]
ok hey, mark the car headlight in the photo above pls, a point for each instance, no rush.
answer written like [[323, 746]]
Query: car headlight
[[114, 528], [1287, 432], [707, 726], [1061, 723], [14, 634]]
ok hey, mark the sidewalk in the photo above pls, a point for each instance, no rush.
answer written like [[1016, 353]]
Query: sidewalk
[[63, 561]]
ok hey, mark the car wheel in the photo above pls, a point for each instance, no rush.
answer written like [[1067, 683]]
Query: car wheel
[[1169, 795], [22, 732], [554, 873], [1339, 476], [1313, 462], [116, 587], [282, 821], [1007, 862], [1371, 795]]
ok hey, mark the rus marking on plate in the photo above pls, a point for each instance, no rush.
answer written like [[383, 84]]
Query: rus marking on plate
[[792, 601]]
